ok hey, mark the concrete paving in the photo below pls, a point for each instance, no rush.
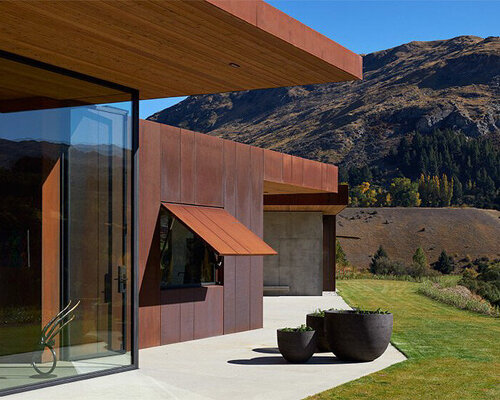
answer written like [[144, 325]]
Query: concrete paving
[[240, 366]]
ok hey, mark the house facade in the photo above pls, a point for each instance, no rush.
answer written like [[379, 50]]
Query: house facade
[[118, 234]]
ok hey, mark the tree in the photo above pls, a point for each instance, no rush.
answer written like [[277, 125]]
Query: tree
[[340, 256], [380, 253], [420, 258], [445, 263], [404, 193]]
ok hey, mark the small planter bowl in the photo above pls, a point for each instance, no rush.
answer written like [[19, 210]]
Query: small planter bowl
[[357, 337], [296, 347], [318, 324]]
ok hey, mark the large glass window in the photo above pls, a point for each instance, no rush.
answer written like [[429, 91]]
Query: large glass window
[[65, 226], [186, 259]]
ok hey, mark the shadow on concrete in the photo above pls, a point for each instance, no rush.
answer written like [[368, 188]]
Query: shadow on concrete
[[267, 350], [280, 360]]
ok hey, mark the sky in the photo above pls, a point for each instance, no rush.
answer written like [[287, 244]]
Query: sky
[[365, 26]]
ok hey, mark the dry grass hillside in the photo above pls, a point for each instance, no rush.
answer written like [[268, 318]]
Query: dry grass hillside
[[460, 231]]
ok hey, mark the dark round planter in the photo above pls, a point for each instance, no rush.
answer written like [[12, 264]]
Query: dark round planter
[[297, 347], [357, 337], [318, 324]]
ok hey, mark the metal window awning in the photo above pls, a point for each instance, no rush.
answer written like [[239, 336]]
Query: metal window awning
[[224, 233]]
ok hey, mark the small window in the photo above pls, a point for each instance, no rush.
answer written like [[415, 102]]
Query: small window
[[186, 260]]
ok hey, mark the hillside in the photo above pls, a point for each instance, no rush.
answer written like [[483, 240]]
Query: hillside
[[460, 231], [420, 86]]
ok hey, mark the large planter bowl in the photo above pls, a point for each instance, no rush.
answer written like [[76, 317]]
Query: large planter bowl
[[297, 347], [357, 337], [318, 324]]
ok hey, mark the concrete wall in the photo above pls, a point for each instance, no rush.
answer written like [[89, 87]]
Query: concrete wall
[[298, 239]]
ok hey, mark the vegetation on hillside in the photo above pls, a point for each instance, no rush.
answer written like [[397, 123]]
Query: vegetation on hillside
[[452, 354], [440, 169], [484, 280]]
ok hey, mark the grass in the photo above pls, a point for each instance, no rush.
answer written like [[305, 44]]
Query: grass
[[457, 299], [452, 354], [18, 339]]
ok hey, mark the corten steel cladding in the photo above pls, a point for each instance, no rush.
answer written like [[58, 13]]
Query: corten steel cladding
[[296, 347], [318, 324], [357, 337]]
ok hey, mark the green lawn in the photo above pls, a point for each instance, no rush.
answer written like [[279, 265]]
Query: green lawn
[[452, 354]]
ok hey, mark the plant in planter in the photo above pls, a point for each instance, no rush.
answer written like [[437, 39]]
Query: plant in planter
[[297, 345], [358, 335], [316, 320]]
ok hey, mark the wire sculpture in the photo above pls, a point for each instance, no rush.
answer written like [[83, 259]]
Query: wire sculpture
[[48, 335]]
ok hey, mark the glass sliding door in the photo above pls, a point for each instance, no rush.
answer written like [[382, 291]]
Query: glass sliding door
[[66, 231]]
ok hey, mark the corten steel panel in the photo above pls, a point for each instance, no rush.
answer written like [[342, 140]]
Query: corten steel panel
[[170, 323], [312, 174], [273, 166], [209, 314], [187, 314], [256, 292], [242, 288], [243, 184], [209, 170], [51, 213], [149, 250], [331, 178], [297, 171], [230, 176], [229, 294], [243, 213], [329, 247], [220, 229], [170, 173], [188, 167], [324, 177], [149, 326], [286, 168], [175, 48], [256, 263], [229, 262]]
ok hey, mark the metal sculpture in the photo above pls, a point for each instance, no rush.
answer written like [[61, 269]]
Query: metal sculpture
[[49, 333]]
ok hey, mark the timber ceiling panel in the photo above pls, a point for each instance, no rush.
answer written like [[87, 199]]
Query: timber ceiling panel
[[174, 48]]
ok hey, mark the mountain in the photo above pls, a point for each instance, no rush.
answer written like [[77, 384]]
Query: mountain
[[465, 233], [418, 86]]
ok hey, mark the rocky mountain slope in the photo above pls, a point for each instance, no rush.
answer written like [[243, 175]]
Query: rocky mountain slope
[[416, 86]]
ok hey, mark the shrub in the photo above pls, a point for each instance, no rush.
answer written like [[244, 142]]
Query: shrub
[[456, 299], [301, 328], [445, 264], [470, 273], [381, 253], [420, 258], [386, 266], [486, 284], [340, 256]]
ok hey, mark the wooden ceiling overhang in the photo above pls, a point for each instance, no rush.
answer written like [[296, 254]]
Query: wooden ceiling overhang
[[327, 203], [175, 48]]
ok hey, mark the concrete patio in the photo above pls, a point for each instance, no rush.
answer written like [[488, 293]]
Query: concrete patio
[[240, 366]]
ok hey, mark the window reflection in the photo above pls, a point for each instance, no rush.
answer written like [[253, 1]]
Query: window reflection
[[65, 227], [185, 259]]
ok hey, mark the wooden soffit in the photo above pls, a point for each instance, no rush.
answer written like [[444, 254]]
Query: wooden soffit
[[175, 48], [224, 233], [327, 203]]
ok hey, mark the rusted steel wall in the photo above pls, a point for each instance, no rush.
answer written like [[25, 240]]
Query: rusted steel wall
[[178, 165]]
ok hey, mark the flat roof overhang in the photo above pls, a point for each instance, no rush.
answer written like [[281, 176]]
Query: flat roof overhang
[[176, 48], [327, 203]]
